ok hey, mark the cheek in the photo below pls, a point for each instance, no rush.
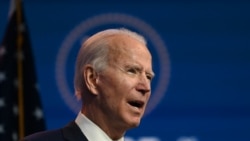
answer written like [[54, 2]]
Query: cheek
[[148, 96], [117, 94], [117, 85], [116, 88], [110, 88]]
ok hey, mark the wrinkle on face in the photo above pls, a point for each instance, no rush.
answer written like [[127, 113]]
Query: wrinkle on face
[[122, 54], [129, 71]]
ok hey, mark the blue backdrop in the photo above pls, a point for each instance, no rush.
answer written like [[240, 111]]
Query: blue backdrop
[[201, 56]]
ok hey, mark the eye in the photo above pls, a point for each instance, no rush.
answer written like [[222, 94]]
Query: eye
[[149, 77], [132, 71]]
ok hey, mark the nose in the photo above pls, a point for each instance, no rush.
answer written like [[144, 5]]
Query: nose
[[143, 85]]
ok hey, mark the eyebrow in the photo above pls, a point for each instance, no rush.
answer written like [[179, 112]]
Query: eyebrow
[[139, 67], [152, 74]]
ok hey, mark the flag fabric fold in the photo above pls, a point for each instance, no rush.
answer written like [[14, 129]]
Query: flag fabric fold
[[20, 105]]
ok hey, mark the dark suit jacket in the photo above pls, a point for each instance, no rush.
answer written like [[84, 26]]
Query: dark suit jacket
[[71, 132]]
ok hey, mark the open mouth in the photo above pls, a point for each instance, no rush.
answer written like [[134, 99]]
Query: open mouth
[[136, 103]]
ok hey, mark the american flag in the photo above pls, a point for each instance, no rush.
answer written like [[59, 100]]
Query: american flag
[[20, 106]]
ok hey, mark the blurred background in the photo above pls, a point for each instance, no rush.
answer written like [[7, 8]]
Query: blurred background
[[201, 52]]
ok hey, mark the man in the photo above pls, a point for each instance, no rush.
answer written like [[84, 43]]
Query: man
[[112, 78]]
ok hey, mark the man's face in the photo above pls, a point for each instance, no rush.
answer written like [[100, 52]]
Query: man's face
[[124, 87]]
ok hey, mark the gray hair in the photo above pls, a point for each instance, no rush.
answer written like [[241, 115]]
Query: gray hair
[[94, 51]]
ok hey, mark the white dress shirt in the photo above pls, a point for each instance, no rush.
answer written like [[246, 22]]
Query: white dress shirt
[[91, 130]]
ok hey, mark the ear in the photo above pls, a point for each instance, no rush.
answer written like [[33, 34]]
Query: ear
[[90, 77]]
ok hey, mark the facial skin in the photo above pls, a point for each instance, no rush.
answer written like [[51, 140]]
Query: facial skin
[[121, 92]]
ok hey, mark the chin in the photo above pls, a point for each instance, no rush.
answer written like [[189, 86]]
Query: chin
[[132, 120], [135, 123]]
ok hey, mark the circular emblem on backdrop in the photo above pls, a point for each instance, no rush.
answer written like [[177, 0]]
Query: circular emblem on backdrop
[[80, 32]]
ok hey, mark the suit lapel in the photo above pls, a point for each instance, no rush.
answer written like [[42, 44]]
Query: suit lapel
[[72, 132]]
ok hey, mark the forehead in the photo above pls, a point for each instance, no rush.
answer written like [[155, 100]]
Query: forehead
[[125, 43], [123, 48]]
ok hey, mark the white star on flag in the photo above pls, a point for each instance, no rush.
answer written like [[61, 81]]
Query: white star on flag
[[1, 128], [18, 95], [15, 110], [14, 136], [15, 83], [38, 113], [2, 102], [2, 76], [2, 50]]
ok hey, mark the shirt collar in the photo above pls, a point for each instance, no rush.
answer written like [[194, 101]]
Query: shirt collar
[[91, 130]]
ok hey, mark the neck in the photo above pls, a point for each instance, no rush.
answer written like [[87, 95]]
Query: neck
[[100, 119]]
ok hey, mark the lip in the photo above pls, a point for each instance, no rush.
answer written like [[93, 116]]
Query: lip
[[138, 104]]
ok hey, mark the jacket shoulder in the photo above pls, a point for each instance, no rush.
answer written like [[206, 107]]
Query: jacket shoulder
[[70, 132], [53, 135]]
